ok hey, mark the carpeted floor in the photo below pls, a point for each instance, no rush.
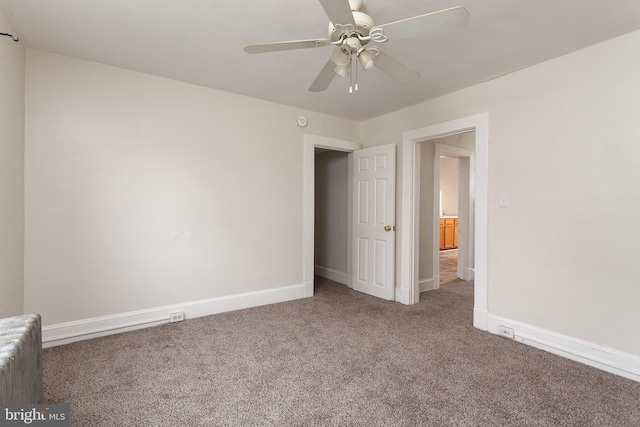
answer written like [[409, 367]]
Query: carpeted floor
[[339, 358], [448, 266]]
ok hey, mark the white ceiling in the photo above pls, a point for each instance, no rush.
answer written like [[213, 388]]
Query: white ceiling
[[201, 41]]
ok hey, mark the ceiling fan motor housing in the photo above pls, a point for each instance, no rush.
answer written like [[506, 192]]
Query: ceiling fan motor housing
[[364, 24]]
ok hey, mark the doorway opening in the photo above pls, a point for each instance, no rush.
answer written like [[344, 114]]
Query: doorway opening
[[331, 215], [410, 206], [454, 188], [446, 210], [370, 244], [310, 144]]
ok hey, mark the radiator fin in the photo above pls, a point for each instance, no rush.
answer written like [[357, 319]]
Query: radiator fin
[[21, 360]]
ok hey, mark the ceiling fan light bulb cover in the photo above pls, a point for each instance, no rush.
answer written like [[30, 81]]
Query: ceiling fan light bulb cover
[[366, 59], [342, 70], [340, 56]]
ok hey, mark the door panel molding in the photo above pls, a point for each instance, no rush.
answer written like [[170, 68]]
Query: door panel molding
[[373, 228]]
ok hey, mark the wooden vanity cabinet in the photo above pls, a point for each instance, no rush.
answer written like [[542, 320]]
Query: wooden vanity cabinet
[[448, 233]]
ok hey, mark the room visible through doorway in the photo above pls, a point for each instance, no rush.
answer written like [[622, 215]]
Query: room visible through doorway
[[448, 266], [449, 221], [446, 219]]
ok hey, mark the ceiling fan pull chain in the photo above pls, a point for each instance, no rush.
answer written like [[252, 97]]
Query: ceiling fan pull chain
[[355, 65], [350, 74]]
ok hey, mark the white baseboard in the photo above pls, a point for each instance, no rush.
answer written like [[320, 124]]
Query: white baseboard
[[65, 333], [328, 273], [429, 284], [480, 319], [468, 275], [308, 289], [607, 359]]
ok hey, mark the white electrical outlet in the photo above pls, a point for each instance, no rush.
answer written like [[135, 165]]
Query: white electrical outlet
[[176, 317], [505, 332]]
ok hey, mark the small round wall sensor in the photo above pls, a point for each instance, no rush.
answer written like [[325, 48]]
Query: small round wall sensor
[[301, 121]]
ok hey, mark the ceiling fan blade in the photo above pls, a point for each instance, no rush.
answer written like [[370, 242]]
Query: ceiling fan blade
[[430, 23], [324, 78], [338, 11], [290, 45], [395, 68]]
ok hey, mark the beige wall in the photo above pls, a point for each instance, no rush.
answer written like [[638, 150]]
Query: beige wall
[[331, 211], [449, 185], [11, 171], [143, 192], [564, 147]]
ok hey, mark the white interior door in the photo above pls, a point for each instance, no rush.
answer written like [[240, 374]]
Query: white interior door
[[373, 228]]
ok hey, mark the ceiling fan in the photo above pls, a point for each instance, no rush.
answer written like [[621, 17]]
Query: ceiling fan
[[351, 31]]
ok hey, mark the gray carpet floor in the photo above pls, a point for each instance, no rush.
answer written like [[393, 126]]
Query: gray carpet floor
[[339, 358]]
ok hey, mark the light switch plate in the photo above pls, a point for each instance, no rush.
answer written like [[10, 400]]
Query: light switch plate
[[504, 200]]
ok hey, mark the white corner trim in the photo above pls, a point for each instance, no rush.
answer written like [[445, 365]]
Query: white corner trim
[[402, 294], [480, 319], [65, 333], [328, 273], [469, 274], [429, 284], [308, 289], [409, 230], [331, 143], [604, 358]]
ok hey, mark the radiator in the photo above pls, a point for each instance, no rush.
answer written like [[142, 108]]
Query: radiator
[[21, 360]]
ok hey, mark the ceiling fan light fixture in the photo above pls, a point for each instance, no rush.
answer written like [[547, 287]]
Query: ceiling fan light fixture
[[366, 59], [341, 56], [343, 70], [352, 43]]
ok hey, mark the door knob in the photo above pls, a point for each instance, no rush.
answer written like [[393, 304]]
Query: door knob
[[388, 227]]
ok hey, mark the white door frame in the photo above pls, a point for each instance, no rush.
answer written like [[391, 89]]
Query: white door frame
[[465, 211], [310, 142], [409, 291]]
